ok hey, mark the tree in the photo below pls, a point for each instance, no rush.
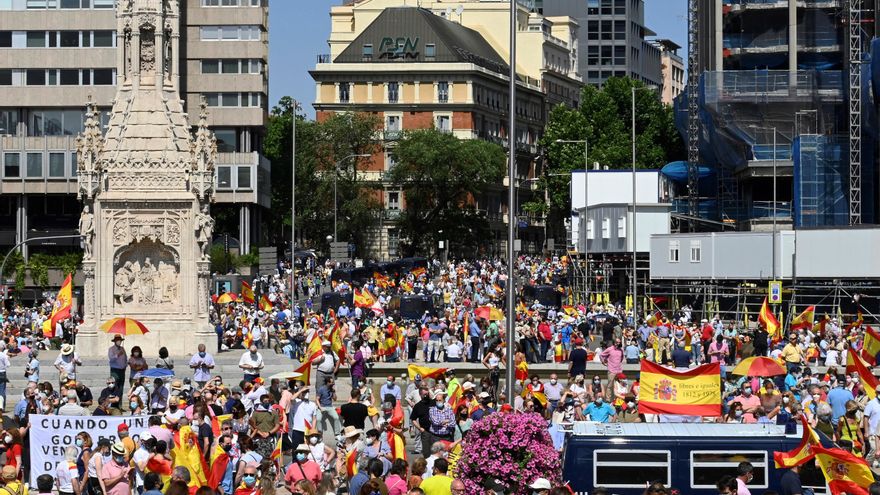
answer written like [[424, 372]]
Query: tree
[[604, 120], [441, 176], [319, 145]]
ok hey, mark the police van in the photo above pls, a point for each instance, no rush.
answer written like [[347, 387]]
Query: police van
[[691, 457]]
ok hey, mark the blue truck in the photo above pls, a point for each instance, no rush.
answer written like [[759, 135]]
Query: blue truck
[[692, 457]]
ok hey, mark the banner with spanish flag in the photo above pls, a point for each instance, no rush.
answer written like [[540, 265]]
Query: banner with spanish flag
[[871, 346], [247, 293], [61, 308], [426, 371], [695, 392], [769, 321], [844, 472], [869, 381], [803, 452], [265, 303], [805, 319]]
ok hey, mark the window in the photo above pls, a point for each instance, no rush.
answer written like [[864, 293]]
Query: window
[[244, 177], [224, 177], [229, 66], [393, 242], [392, 123], [393, 200], [430, 51], [11, 165], [606, 228], [56, 165], [367, 52], [443, 123], [393, 89], [104, 4], [35, 77], [104, 39], [70, 39], [708, 466], [443, 92], [390, 162], [69, 77], [5, 77], [103, 77], [696, 252], [210, 33], [210, 66], [73, 164], [227, 140], [630, 468], [591, 234], [592, 30], [673, 251], [344, 92], [5, 39], [34, 165], [36, 39], [229, 99], [8, 122], [621, 227]]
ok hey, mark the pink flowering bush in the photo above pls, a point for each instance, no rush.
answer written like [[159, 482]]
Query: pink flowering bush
[[513, 449]]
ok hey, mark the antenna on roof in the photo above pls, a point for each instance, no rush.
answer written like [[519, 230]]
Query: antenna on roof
[[459, 10], [449, 13]]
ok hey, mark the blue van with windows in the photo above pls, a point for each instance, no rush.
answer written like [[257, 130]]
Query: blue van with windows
[[691, 457]]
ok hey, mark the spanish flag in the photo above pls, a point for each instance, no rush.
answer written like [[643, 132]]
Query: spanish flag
[[163, 468], [869, 381], [805, 319], [351, 467], [381, 280], [248, 340], [857, 322], [219, 463], [216, 421], [569, 310], [336, 343], [454, 394], [654, 319], [871, 346], [61, 309], [189, 455], [306, 370], [522, 371], [768, 319], [803, 452], [247, 293], [265, 304], [419, 271], [276, 452], [426, 371], [844, 472], [313, 351], [406, 286], [395, 439], [695, 392], [363, 298]]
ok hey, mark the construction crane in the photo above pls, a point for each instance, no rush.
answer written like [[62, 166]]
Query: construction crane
[[693, 102]]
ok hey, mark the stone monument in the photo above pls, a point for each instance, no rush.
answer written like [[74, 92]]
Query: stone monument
[[146, 186]]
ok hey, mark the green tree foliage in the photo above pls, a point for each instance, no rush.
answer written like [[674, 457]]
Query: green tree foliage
[[319, 145], [604, 120], [440, 175]]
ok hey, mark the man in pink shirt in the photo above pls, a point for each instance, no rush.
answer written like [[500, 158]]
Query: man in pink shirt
[[613, 358], [117, 474], [750, 402]]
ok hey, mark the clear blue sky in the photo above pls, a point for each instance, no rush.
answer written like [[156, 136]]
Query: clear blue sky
[[298, 32]]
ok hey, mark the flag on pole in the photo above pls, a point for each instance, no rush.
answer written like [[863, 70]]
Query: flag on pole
[[803, 452], [869, 381], [768, 319], [247, 293], [426, 371], [805, 319], [61, 308], [871, 346], [265, 303], [654, 319], [351, 467], [276, 453], [306, 370], [844, 472], [693, 392], [363, 298], [313, 351], [419, 271]]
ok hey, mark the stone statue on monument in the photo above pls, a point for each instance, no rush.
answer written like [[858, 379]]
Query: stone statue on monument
[[87, 231], [204, 231]]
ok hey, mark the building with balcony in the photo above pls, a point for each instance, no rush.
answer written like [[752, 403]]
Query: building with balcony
[[427, 67], [55, 55], [612, 40], [671, 69]]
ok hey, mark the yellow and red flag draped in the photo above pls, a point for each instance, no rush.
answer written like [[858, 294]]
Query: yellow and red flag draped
[[248, 340], [162, 467], [217, 421], [869, 381], [313, 351], [395, 439], [844, 472], [419, 271], [363, 298], [381, 280], [265, 303], [306, 372], [336, 343], [857, 323], [247, 292], [61, 309], [768, 319], [219, 463], [695, 392], [454, 395], [654, 319], [803, 452], [351, 467], [427, 372], [406, 286], [522, 371], [805, 319], [871, 346], [188, 454]]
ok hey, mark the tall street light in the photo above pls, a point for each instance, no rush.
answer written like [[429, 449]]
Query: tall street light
[[510, 314], [293, 207], [335, 175], [586, 211], [635, 273]]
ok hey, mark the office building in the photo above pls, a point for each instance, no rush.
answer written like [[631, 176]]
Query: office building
[[447, 67], [55, 55], [671, 69], [612, 40]]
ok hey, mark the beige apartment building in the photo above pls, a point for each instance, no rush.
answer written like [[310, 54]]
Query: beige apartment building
[[672, 70], [55, 55], [445, 65]]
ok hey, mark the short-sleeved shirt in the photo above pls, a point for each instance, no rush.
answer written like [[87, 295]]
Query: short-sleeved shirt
[[790, 484], [354, 414], [265, 420], [65, 472], [302, 411], [325, 396], [578, 358], [872, 412], [600, 413], [113, 470], [437, 485], [296, 472], [201, 374]]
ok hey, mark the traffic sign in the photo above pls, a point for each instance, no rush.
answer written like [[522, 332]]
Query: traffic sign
[[774, 292], [339, 250]]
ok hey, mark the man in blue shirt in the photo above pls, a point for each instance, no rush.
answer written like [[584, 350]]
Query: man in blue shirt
[[837, 398], [599, 411], [792, 378]]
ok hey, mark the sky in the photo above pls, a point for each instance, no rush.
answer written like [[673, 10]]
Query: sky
[[298, 32]]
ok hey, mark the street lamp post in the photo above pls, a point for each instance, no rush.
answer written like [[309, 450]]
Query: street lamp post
[[635, 273], [335, 175], [293, 208], [510, 314], [586, 210]]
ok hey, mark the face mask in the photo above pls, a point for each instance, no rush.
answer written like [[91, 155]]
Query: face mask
[[195, 423], [553, 381], [747, 390], [631, 405], [600, 400], [132, 405], [249, 480], [300, 457], [785, 400], [227, 448], [79, 442], [816, 397], [597, 381], [313, 441], [266, 405], [390, 383], [7, 439], [202, 354], [440, 404], [119, 459], [738, 413], [623, 382], [305, 396]]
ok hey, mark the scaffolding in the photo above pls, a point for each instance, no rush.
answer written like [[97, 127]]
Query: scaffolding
[[854, 18], [693, 128]]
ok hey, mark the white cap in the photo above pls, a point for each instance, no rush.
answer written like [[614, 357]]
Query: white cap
[[541, 484]]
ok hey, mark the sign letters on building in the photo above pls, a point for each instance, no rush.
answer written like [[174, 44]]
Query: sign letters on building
[[399, 48]]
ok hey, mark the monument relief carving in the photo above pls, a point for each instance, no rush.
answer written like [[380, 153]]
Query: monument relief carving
[[146, 273]]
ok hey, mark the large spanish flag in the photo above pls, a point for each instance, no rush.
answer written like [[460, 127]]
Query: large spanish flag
[[306, 370], [265, 304], [363, 298], [314, 349], [426, 371], [844, 472], [247, 292], [871, 346], [61, 309], [803, 452], [696, 392], [805, 319], [869, 381], [769, 321]]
